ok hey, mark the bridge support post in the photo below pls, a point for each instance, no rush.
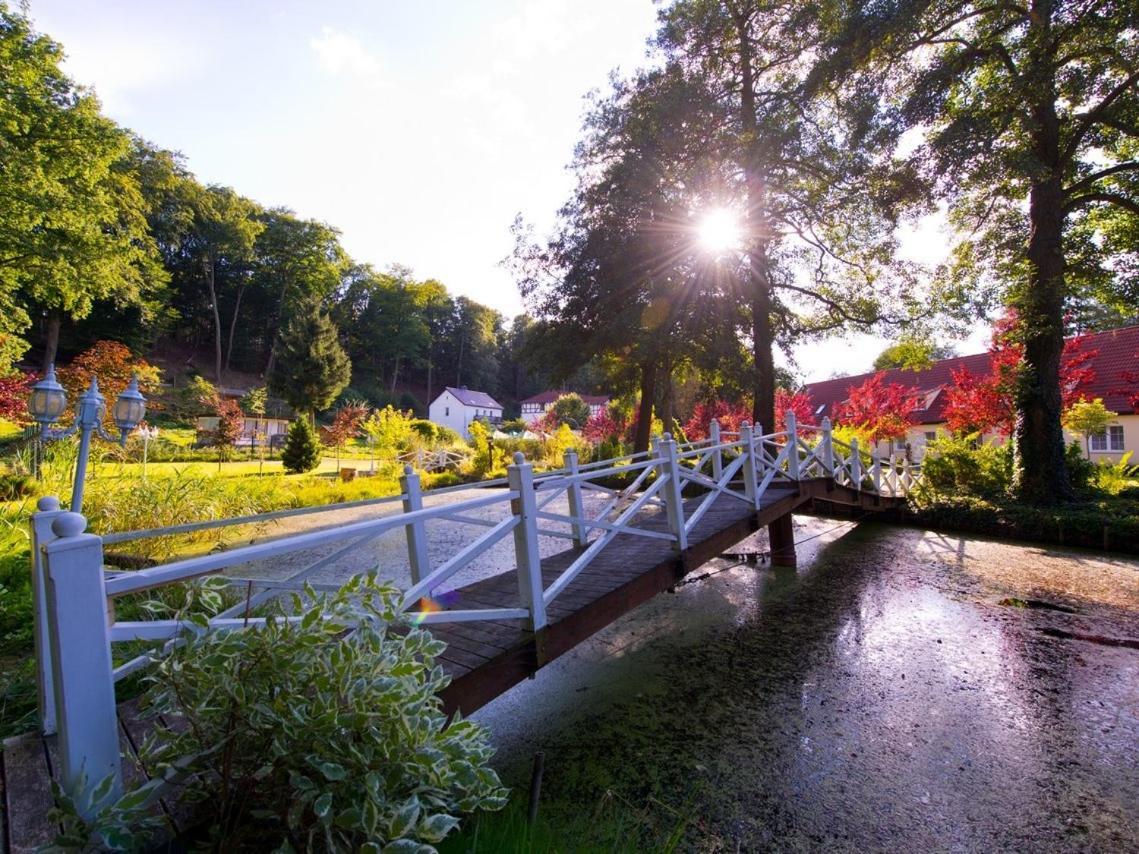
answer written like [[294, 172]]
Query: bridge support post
[[717, 454], [576, 503], [416, 532], [855, 464], [520, 478], [673, 501], [751, 487], [876, 471], [41, 535], [792, 446], [83, 677], [781, 537]]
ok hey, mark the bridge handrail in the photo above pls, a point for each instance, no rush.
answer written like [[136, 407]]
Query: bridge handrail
[[75, 628]]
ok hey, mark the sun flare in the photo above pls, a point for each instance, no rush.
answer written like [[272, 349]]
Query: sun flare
[[719, 231]]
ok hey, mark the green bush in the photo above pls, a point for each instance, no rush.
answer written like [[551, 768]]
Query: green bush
[[302, 450], [302, 733], [1080, 468], [963, 466], [1114, 478], [16, 485]]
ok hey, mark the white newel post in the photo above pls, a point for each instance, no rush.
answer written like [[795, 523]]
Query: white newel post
[[717, 454], [907, 477], [576, 501], [81, 662], [792, 446], [520, 478], [876, 471], [828, 448], [41, 534], [895, 469], [855, 464], [416, 531], [673, 502], [751, 487]]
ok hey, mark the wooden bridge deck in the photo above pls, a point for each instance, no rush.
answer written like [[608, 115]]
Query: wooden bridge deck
[[484, 658]]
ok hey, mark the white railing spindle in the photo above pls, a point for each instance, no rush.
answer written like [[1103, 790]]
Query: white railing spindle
[[416, 531], [792, 441], [717, 453], [576, 502], [526, 554], [876, 471], [751, 487], [83, 677], [41, 535], [855, 464], [673, 501], [827, 443]]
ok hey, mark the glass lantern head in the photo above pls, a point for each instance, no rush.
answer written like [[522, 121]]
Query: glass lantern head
[[130, 408], [90, 406], [48, 399]]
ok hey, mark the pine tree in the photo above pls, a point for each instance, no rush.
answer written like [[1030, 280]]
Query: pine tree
[[302, 450], [311, 367]]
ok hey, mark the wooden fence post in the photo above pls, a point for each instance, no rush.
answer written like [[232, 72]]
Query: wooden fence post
[[81, 663], [717, 454], [792, 446], [520, 478], [855, 463], [416, 531], [576, 502], [751, 487], [828, 448], [673, 501], [41, 535]]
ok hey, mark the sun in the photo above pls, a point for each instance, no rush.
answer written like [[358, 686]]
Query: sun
[[719, 231]]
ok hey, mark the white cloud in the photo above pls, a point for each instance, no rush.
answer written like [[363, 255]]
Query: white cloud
[[341, 54]]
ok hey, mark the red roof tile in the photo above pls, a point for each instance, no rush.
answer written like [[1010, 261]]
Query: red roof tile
[[1116, 352]]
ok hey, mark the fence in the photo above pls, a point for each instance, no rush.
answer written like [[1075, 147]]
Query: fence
[[76, 628]]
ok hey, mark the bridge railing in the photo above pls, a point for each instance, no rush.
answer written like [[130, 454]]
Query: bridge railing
[[76, 629]]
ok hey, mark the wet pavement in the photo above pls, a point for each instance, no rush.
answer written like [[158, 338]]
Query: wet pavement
[[901, 690]]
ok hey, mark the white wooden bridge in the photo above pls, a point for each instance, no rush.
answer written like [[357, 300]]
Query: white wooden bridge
[[652, 517]]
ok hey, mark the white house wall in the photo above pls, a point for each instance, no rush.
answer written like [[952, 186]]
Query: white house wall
[[448, 411]]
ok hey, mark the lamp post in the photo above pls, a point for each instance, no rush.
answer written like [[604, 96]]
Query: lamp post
[[49, 400]]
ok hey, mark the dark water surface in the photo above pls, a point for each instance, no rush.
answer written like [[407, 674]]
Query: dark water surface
[[892, 693]]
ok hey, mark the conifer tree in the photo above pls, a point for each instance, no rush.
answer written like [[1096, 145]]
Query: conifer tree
[[302, 450], [311, 367]]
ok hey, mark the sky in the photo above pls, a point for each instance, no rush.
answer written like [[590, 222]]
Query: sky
[[419, 129]]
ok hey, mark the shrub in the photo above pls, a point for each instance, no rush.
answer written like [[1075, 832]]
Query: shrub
[[302, 450], [304, 733], [15, 485], [1114, 478], [1080, 468], [960, 466]]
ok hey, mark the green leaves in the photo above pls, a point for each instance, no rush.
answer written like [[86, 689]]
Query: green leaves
[[297, 730]]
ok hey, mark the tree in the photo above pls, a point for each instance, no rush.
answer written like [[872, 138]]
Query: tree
[[346, 425], [388, 430], [222, 240], [302, 450], [1088, 418], [113, 365], [229, 428], [979, 404], [729, 415], [797, 402], [815, 188], [15, 388], [72, 225], [1028, 117], [912, 354], [312, 368], [878, 409], [569, 409]]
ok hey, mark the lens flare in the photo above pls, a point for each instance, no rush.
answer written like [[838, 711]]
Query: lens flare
[[719, 231]]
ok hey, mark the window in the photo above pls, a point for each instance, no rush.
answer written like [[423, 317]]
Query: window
[[1112, 440], [930, 435], [446, 410]]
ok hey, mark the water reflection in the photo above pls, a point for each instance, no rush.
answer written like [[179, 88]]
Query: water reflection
[[877, 696]]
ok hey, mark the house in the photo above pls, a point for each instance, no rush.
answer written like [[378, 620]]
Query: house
[[255, 432], [458, 407], [533, 408], [1115, 365]]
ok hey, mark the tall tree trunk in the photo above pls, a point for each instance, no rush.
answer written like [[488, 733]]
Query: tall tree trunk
[[233, 325], [276, 331], [1041, 476], [217, 317], [666, 397], [430, 366], [395, 374], [51, 338], [645, 412], [757, 234]]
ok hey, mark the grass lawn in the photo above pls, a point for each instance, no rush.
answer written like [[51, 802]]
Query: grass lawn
[[234, 468]]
